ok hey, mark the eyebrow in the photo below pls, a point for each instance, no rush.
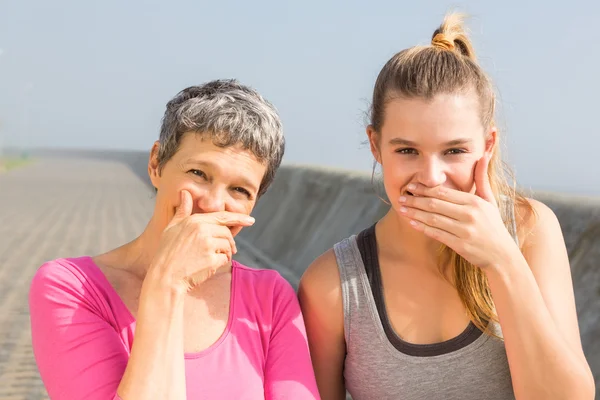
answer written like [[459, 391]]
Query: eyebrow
[[404, 142], [244, 181]]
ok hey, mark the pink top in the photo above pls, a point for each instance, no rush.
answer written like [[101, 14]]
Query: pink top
[[82, 335]]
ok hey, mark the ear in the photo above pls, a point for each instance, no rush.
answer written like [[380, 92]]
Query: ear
[[490, 142], [153, 171], [374, 140]]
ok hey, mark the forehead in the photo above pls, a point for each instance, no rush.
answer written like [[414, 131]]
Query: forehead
[[194, 148], [441, 118], [193, 143]]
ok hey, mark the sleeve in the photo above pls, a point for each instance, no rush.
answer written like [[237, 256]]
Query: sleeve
[[78, 353], [288, 369]]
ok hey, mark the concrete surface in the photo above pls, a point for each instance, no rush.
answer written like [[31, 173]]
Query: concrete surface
[[69, 204], [50, 209]]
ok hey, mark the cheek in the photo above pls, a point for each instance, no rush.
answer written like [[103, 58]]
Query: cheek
[[397, 170], [169, 195], [239, 206], [462, 176], [395, 175], [168, 191], [238, 203]]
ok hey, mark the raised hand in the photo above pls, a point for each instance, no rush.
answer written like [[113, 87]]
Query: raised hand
[[470, 224], [194, 246]]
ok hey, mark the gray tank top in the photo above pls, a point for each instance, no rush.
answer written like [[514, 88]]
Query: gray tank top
[[379, 365]]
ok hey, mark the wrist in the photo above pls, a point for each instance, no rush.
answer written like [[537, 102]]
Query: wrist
[[505, 266], [164, 282]]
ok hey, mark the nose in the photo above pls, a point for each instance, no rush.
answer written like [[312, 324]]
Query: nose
[[432, 172], [212, 200]]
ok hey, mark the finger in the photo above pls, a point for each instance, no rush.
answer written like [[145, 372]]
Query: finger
[[220, 246], [217, 260], [435, 221], [214, 231], [220, 260], [225, 218], [235, 230], [432, 204], [440, 192], [223, 232], [185, 207], [483, 187], [438, 234]]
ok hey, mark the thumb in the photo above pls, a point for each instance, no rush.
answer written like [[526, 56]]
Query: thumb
[[185, 207], [483, 188]]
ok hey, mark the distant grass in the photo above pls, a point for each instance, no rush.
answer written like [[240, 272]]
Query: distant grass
[[8, 163]]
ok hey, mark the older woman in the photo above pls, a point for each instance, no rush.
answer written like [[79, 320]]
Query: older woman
[[170, 315]]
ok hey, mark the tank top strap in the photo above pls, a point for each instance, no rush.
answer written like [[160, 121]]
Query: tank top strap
[[354, 282]]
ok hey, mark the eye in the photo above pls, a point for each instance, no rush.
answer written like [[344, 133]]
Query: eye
[[197, 172], [243, 191], [456, 151], [406, 150]]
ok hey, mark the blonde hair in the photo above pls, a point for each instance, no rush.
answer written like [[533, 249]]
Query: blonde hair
[[449, 65]]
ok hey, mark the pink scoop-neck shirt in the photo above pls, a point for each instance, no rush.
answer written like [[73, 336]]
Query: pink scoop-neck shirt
[[82, 335]]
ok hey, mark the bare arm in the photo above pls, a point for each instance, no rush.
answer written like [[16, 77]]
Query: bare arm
[[156, 367], [531, 288], [192, 247], [534, 298], [320, 298]]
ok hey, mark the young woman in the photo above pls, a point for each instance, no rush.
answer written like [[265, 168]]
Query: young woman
[[170, 315], [463, 289]]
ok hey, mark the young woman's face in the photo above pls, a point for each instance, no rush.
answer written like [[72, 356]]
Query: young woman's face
[[432, 142]]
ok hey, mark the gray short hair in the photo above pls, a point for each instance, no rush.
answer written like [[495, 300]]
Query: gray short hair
[[231, 113]]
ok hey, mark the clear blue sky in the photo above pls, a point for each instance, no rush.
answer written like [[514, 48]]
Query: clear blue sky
[[98, 74]]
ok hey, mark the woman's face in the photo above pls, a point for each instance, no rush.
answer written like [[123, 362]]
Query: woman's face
[[219, 179], [432, 142]]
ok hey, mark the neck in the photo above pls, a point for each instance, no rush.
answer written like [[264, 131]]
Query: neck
[[137, 255], [403, 241]]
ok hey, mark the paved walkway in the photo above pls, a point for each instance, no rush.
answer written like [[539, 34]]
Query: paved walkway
[[56, 208]]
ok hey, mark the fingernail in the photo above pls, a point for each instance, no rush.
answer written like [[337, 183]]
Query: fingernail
[[402, 199], [412, 186], [403, 209], [251, 220]]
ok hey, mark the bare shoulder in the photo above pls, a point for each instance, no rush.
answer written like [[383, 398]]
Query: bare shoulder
[[320, 292], [542, 242], [537, 224], [322, 275]]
